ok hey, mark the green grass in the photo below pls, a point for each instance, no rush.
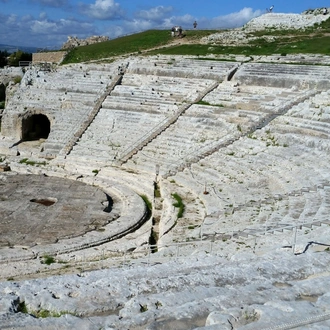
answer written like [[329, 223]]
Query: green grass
[[135, 43], [311, 40], [48, 260], [179, 204], [31, 162], [44, 313], [316, 45], [148, 203], [132, 44], [17, 79], [201, 102]]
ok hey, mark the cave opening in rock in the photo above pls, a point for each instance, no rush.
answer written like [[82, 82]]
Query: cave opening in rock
[[35, 127]]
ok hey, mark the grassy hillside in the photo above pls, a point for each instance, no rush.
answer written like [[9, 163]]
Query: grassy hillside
[[132, 44], [124, 45], [314, 40], [319, 45]]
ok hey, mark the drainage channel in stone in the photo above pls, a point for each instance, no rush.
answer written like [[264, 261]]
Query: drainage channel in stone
[[154, 235]]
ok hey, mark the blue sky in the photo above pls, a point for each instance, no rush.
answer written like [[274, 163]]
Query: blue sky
[[48, 23]]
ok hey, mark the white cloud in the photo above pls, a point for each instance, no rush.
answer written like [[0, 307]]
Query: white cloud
[[232, 20], [43, 15], [227, 21], [62, 27], [127, 27], [154, 14], [41, 32], [184, 21], [103, 9], [26, 18], [12, 19], [158, 18]]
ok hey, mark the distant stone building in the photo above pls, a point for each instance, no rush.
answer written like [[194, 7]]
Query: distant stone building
[[48, 57], [75, 42]]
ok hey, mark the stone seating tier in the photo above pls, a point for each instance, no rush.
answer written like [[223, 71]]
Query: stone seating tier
[[57, 96], [250, 97], [146, 95], [133, 105], [183, 68], [307, 126], [113, 131], [196, 130], [302, 76], [223, 189], [68, 96], [169, 87], [137, 100]]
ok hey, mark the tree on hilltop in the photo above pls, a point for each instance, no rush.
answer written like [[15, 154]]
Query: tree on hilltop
[[3, 58], [18, 56]]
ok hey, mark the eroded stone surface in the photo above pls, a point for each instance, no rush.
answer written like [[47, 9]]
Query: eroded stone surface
[[77, 208]]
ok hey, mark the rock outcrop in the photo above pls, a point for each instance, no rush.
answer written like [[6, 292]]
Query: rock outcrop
[[9, 74], [75, 42], [268, 21]]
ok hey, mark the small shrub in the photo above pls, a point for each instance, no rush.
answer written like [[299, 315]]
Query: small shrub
[[48, 260], [158, 304], [157, 193], [17, 79], [23, 161], [22, 307], [96, 172], [143, 308]]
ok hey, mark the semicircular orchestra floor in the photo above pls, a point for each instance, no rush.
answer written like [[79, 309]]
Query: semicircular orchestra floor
[[37, 209]]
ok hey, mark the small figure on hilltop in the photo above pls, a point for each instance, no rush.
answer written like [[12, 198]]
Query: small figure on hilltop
[[325, 11], [270, 9], [195, 25], [177, 31]]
